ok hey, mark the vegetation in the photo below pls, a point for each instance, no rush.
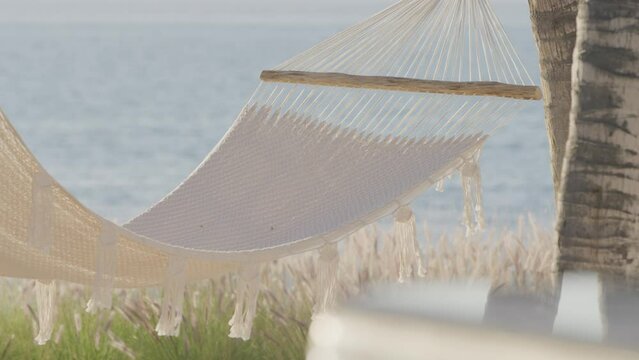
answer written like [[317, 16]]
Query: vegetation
[[523, 257]]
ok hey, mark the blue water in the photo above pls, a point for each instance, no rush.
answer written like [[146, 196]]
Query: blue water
[[121, 113]]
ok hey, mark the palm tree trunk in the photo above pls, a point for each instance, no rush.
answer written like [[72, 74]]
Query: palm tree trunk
[[619, 304], [553, 23], [598, 222]]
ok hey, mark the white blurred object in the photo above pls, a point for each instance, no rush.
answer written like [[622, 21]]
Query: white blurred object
[[579, 308], [444, 321]]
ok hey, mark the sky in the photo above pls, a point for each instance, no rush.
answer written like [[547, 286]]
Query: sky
[[263, 11]]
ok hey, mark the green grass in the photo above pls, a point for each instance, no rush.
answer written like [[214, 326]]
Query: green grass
[[127, 332], [523, 257]]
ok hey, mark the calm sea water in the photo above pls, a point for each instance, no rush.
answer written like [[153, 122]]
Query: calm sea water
[[120, 114]]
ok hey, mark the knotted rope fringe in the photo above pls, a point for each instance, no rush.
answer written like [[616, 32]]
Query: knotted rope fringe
[[40, 236], [327, 266], [173, 298], [245, 302], [40, 233], [441, 184], [46, 302], [105, 259], [407, 250], [471, 185]]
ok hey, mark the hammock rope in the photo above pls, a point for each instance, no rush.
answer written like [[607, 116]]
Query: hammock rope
[[471, 186], [332, 140], [106, 260], [328, 263], [173, 298], [407, 250], [41, 223], [245, 303], [46, 301]]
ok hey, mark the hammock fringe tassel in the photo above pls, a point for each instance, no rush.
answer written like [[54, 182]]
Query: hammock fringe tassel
[[471, 185], [106, 257], [40, 232], [327, 266], [245, 302], [407, 253], [441, 184], [173, 298], [46, 302]]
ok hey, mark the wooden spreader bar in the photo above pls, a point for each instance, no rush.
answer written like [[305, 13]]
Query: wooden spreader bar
[[478, 88]]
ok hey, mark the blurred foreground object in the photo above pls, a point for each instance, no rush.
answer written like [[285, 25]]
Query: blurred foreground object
[[479, 321]]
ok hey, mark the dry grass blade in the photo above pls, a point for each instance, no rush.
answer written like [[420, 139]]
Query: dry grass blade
[[5, 349]]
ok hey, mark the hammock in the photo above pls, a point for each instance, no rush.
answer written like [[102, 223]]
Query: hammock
[[332, 140]]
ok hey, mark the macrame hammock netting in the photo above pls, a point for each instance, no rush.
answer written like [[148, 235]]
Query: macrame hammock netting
[[333, 139]]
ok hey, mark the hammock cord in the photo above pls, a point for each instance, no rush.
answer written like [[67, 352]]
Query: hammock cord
[[40, 235], [106, 257], [442, 40], [327, 266], [173, 297], [245, 302], [407, 250], [46, 302]]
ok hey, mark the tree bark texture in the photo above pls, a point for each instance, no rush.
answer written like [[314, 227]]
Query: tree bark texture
[[599, 199], [553, 23]]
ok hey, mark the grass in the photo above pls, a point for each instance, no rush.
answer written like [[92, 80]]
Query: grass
[[523, 257]]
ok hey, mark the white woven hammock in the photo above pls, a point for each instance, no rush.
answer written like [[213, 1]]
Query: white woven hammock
[[332, 140]]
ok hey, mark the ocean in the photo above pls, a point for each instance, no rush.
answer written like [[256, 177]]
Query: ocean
[[120, 113]]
